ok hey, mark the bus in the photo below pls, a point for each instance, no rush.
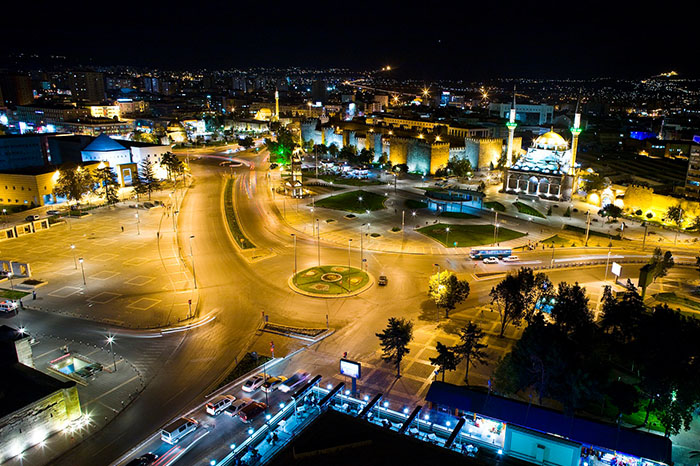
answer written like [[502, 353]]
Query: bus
[[481, 253]]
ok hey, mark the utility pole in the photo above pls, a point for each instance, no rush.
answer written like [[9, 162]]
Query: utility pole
[[295, 253], [495, 228], [318, 241], [644, 240], [403, 220], [349, 241], [362, 250], [588, 226]]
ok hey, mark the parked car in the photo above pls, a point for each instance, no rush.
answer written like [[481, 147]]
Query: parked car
[[253, 383], [251, 411], [272, 383], [53, 212], [219, 404], [294, 381], [490, 260], [235, 407], [511, 259], [382, 280], [31, 218], [8, 306]]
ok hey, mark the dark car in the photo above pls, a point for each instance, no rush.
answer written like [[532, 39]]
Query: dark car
[[250, 412], [382, 280], [145, 460]]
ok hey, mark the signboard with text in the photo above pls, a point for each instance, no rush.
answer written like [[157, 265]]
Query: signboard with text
[[350, 368]]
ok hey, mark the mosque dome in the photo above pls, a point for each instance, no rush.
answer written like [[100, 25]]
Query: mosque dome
[[551, 140]]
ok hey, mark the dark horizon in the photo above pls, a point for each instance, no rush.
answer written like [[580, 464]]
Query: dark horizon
[[548, 40]]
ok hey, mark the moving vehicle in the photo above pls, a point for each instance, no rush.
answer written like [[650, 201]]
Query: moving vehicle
[[8, 306], [219, 404], [511, 259], [490, 260], [235, 407], [144, 460], [294, 381], [178, 429], [31, 218], [480, 253], [272, 383], [382, 280], [251, 411], [253, 383]]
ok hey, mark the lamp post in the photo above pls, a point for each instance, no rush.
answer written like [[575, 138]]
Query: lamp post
[[607, 263], [362, 249], [349, 241], [175, 220], [447, 237], [138, 222], [438, 266], [295, 253], [588, 226], [644, 240], [110, 340], [10, 275], [75, 261], [194, 273], [318, 241], [495, 228], [82, 268]]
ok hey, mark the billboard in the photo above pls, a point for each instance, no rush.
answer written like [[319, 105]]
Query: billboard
[[616, 269], [350, 368]]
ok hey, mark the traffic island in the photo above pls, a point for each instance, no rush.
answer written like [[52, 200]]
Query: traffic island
[[467, 235], [331, 281]]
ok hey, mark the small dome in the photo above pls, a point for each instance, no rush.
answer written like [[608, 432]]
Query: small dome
[[551, 140]]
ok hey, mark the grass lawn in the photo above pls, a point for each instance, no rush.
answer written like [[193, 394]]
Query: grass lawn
[[414, 204], [231, 219], [311, 279], [457, 215], [527, 210], [635, 418], [673, 298], [591, 232], [335, 179], [351, 202], [467, 235], [495, 205], [12, 294], [245, 365], [558, 241]]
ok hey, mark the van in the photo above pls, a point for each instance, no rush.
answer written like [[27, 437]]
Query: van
[[8, 306], [219, 404], [178, 429]]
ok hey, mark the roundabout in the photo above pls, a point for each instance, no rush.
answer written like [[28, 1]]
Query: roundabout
[[331, 281]]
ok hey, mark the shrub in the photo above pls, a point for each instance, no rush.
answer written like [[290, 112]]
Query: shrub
[[638, 212], [650, 215]]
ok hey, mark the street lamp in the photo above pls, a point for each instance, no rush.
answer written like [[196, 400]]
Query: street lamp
[[82, 268], [10, 275], [349, 241], [194, 274], [110, 340], [295, 253], [438, 266], [138, 226], [447, 236], [75, 261], [318, 240], [495, 228]]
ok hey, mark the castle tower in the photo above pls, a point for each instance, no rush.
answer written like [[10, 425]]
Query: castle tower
[[511, 131], [277, 105], [575, 131]]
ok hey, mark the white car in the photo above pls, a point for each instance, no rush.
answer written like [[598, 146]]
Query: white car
[[235, 407], [490, 260], [253, 383], [219, 404], [511, 259]]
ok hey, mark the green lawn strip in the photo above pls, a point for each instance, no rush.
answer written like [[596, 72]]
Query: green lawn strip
[[673, 298], [467, 235], [591, 232], [495, 205], [458, 215], [346, 181], [246, 364], [414, 204], [343, 286], [634, 419], [350, 202], [527, 210], [231, 219], [12, 294]]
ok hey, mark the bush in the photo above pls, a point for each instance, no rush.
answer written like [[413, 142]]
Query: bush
[[650, 215], [395, 229], [638, 212]]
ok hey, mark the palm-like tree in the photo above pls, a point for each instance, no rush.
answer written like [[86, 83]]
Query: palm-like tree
[[446, 360], [394, 340], [470, 347]]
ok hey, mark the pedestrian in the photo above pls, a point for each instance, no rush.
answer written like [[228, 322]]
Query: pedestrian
[[33, 295], [122, 228], [21, 304], [158, 234]]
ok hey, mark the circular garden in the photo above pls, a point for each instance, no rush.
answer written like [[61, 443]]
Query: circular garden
[[330, 281]]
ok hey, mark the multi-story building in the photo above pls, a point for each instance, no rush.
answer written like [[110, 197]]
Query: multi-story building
[[528, 114], [87, 86], [105, 111], [44, 114], [23, 151], [692, 179], [130, 106], [15, 89]]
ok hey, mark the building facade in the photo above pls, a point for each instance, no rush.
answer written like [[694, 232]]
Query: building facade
[[87, 86], [527, 114]]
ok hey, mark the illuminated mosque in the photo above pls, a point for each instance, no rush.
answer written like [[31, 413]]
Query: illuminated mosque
[[548, 169]]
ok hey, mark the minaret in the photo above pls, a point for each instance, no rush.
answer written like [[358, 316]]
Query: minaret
[[277, 105], [511, 131], [661, 131], [575, 131]]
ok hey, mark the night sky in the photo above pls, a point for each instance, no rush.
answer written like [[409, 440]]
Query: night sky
[[462, 40]]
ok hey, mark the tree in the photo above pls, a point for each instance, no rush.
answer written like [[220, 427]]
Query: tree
[[365, 157], [347, 153], [447, 290], [321, 149], [460, 167], [660, 263], [470, 347], [621, 317], [520, 295], [308, 146], [333, 150], [282, 148], [246, 142], [149, 138], [107, 180], [570, 311], [73, 182], [675, 215], [383, 159], [148, 182], [623, 396], [394, 341], [173, 165], [446, 360], [610, 211], [593, 182]]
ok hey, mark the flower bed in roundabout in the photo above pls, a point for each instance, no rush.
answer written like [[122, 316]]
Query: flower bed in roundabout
[[329, 281]]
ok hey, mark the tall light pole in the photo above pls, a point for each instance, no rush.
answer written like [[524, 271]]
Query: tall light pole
[[495, 228], [10, 275], [138, 224], [295, 253], [349, 241], [175, 220], [644, 240], [110, 340], [318, 241], [606, 266], [438, 266], [588, 226], [75, 261], [82, 268], [362, 248], [194, 274], [447, 237]]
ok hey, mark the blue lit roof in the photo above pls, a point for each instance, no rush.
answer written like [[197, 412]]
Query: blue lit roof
[[103, 143], [586, 431]]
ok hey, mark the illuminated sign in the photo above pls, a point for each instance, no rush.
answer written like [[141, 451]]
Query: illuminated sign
[[616, 269], [350, 368]]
